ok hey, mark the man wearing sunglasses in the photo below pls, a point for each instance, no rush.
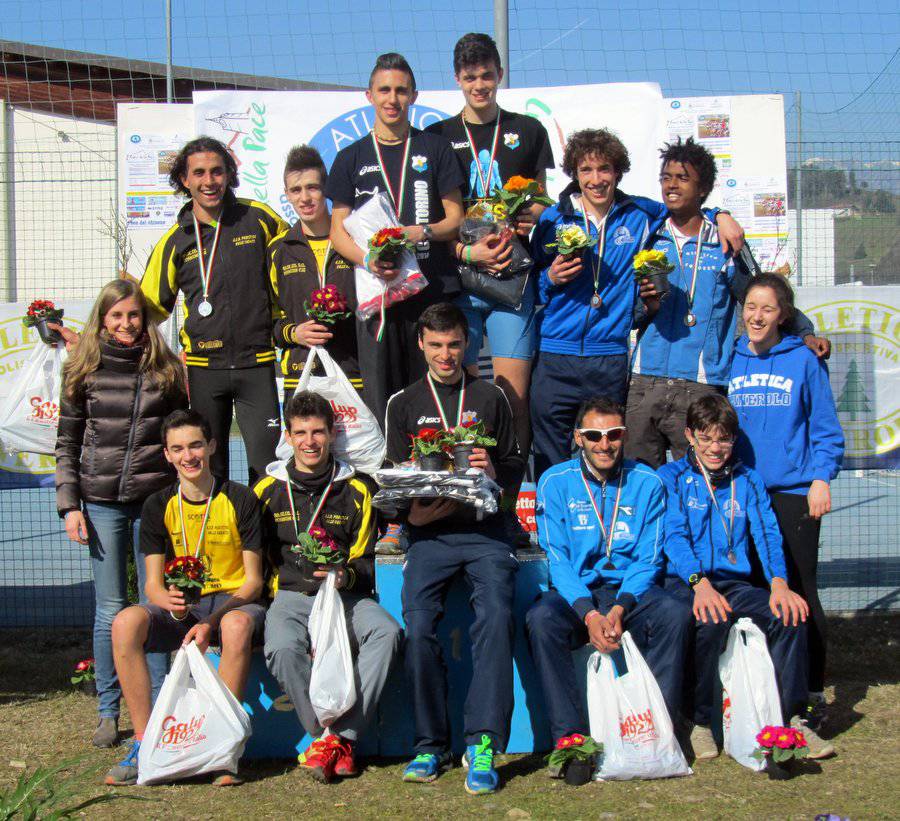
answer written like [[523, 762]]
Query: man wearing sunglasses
[[600, 519], [714, 505]]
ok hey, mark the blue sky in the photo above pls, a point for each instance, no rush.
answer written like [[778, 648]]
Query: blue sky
[[832, 52]]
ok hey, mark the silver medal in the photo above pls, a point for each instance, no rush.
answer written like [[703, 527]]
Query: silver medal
[[596, 302], [204, 308], [690, 320]]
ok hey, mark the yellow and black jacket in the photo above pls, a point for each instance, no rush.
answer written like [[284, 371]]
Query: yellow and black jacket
[[238, 333], [233, 526], [348, 517], [294, 275]]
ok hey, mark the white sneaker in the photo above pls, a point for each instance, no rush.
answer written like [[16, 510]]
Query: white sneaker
[[703, 743], [818, 746]]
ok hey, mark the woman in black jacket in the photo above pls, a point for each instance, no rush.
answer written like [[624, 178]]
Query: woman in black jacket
[[119, 383]]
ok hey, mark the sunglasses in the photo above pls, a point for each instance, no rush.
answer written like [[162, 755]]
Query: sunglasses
[[596, 434]]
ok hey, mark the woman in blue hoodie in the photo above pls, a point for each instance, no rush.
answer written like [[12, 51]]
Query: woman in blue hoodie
[[791, 435]]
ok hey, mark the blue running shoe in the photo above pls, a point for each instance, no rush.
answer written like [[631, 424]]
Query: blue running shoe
[[125, 773], [426, 767], [481, 778]]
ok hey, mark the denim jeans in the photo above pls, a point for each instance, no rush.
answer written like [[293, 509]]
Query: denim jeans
[[112, 532]]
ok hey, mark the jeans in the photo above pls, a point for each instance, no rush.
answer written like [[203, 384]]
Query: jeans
[[112, 532]]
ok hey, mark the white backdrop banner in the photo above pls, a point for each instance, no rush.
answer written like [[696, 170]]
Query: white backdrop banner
[[863, 325]]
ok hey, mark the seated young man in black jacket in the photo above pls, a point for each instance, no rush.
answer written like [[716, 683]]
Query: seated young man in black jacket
[[445, 538], [314, 492]]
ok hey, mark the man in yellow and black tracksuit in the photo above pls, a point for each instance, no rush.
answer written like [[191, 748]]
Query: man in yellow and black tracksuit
[[227, 330]]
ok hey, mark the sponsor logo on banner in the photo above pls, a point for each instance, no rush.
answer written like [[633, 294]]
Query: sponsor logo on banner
[[525, 507], [864, 367], [638, 728], [181, 735]]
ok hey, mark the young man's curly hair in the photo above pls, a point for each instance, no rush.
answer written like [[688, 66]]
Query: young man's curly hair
[[697, 155], [200, 146], [599, 142]]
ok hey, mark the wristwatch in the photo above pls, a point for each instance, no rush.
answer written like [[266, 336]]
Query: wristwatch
[[695, 578], [428, 232]]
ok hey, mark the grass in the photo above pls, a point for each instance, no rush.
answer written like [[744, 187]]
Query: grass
[[872, 234], [43, 722]]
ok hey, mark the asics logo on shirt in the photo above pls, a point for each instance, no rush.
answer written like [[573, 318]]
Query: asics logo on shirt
[[369, 169]]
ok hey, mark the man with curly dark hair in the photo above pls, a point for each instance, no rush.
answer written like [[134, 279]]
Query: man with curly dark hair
[[215, 254], [590, 296]]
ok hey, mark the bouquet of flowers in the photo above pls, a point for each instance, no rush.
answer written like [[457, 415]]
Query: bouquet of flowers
[[428, 442], [327, 305], [387, 244], [189, 575], [781, 743], [516, 194], [317, 546], [655, 266], [84, 671], [473, 433], [574, 756], [39, 313], [571, 239]]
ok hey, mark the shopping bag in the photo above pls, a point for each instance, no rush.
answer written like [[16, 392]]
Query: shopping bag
[[197, 725], [332, 688], [358, 437], [29, 416], [372, 293], [749, 692], [628, 716]]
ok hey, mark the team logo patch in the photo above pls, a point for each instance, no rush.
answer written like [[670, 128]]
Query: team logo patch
[[511, 140], [419, 163], [622, 236]]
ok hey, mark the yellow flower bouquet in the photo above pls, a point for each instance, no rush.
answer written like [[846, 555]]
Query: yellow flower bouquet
[[570, 239]]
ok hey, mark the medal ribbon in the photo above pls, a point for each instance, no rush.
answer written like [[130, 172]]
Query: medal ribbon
[[484, 189], [440, 407], [690, 295], [318, 508], [398, 197], [597, 266], [206, 267], [607, 535], [184, 541], [729, 528]]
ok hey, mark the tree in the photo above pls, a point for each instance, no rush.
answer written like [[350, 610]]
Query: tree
[[853, 400]]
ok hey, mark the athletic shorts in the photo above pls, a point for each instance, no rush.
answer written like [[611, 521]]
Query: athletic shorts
[[166, 633], [512, 333]]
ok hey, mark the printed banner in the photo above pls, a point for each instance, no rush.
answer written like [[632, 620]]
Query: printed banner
[[28, 470], [863, 325]]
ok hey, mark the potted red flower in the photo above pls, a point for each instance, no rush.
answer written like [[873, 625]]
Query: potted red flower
[[39, 313], [780, 748], [464, 439], [429, 449], [85, 678], [387, 244], [318, 547], [574, 757], [326, 305], [188, 574]]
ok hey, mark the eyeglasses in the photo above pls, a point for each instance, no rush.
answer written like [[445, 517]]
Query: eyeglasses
[[708, 441], [596, 434]]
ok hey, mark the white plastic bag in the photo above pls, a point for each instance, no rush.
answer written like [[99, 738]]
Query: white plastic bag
[[197, 725], [628, 716], [332, 687], [358, 438], [372, 216], [29, 416], [749, 692]]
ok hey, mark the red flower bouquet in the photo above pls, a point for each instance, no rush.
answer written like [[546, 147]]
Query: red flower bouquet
[[780, 748], [326, 305], [39, 313], [318, 547], [428, 442], [387, 244], [188, 574], [574, 757], [84, 672]]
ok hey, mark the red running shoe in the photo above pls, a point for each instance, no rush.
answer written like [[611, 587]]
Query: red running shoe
[[345, 766], [320, 759]]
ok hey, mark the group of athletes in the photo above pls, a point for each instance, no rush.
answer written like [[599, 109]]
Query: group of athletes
[[672, 552]]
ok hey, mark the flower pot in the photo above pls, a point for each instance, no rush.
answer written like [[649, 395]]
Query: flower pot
[[461, 453], [660, 281], [89, 688], [579, 772], [191, 595], [47, 335], [432, 461], [780, 772]]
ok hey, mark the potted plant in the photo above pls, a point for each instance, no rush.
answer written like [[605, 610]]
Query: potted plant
[[386, 245], [571, 239], [655, 266], [574, 757], [317, 546], [39, 313], [429, 449], [188, 574], [463, 439], [327, 305], [85, 679], [780, 748]]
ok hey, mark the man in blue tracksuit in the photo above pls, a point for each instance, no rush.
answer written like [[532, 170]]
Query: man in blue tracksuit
[[714, 506], [687, 340], [589, 298], [600, 519]]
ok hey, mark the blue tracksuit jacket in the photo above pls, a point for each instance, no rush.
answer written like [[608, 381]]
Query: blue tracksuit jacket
[[695, 538], [790, 431], [570, 533]]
